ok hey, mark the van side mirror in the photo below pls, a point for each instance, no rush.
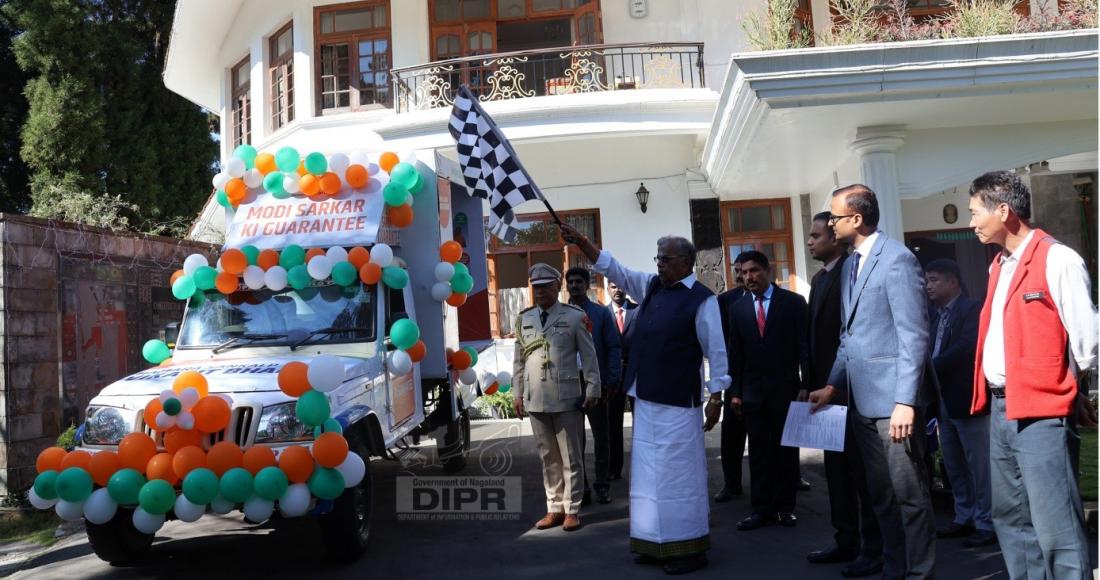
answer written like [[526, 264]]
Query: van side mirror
[[171, 334]]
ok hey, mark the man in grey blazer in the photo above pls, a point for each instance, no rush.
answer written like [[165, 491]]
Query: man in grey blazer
[[881, 362]]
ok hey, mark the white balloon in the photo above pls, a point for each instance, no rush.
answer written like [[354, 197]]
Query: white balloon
[[319, 267], [188, 397], [194, 262], [187, 511], [337, 254], [221, 506], [254, 277], [218, 265], [99, 508], [253, 178], [69, 511], [441, 291], [290, 183], [258, 510], [353, 469], [467, 376], [504, 378], [146, 522], [325, 372], [444, 271], [234, 167], [165, 421], [373, 186], [167, 394], [373, 169], [358, 158], [400, 363], [488, 379], [185, 420], [220, 179], [275, 278], [38, 502], [295, 502], [381, 254], [338, 163]]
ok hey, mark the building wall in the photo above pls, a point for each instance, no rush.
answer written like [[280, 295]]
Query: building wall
[[1057, 208]]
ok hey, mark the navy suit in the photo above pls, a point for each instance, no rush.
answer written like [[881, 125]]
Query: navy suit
[[734, 432], [605, 335], [616, 401]]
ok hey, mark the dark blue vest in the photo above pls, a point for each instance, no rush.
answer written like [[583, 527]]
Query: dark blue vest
[[665, 356]]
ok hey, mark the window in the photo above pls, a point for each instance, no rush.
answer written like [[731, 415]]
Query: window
[[353, 48], [763, 225], [282, 77], [241, 114], [461, 10]]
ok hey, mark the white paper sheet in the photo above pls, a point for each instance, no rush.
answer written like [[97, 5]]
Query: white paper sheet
[[821, 430]]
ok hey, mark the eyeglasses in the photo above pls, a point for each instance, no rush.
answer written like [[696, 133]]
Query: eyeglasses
[[664, 259], [835, 218]]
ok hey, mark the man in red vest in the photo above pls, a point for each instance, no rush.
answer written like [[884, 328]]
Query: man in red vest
[[1037, 330]]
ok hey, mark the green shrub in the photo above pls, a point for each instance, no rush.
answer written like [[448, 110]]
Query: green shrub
[[776, 28], [502, 403], [67, 439]]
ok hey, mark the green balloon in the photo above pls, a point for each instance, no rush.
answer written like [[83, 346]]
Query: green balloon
[[291, 256], [395, 277], [172, 407], [460, 268], [157, 496], [197, 299], [251, 253], [462, 283], [326, 483], [299, 277], [394, 194], [419, 185], [344, 274], [204, 276], [312, 408], [273, 183], [246, 153], [505, 388], [200, 486], [155, 351], [404, 174], [125, 486], [183, 288], [332, 426], [236, 485], [44, 484], [271, 483], [316, 163], [404, 333], [287, 160], [223, 199], [473, 354]]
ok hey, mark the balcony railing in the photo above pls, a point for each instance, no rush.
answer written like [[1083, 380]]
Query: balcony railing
[[556, 71]]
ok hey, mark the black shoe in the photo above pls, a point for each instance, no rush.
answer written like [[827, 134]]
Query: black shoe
[[954, 530], [727, 493], [603, 495], [586, 499], [981, 538], [831, 555], [648, 560], [686, 565], [862, 567], [803, 485], [755, 521], [787, 519], [615, 477]]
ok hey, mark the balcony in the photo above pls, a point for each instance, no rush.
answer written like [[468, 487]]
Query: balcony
[[556, 71]]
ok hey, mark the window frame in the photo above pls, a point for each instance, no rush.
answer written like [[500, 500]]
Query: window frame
[[760, 237], [282, 105], [241, 104], [352, 39]]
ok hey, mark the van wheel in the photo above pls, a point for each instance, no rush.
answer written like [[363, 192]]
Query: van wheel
[[455, 447], [118, 541], [346, 529]]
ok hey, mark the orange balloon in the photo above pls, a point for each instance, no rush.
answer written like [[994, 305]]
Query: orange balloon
[[296, 463], [330, 183], [177, 439], [309, 184], [491, 389], [356, 176], [388, 160], [267, 259], [234, 261], [226, 282], [191, 379], [76, 458], [358, 256], [166, 362], [400, 216], [257, 458], [103, 465], [293, 380], [187, 459], [417, 351], [302, 168], [456, 299], [224, 456], [370, 273], [135, 451], [175, 276], [50, 459], [330, 449], [461, 360], [153, 408], [211, 414], [450, 251], [160, 467], [235, 189], [265, 162], [313, 253]]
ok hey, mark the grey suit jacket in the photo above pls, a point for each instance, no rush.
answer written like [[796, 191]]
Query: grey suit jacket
[[884, 342]]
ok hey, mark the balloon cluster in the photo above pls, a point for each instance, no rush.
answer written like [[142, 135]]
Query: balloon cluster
[[496, 382], [463, 361], [188, 406], [453, 279], [405, 335]]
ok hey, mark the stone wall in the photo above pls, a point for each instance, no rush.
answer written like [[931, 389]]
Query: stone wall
[[76, 304]]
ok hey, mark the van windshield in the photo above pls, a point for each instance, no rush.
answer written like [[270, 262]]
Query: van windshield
[[283, 318]]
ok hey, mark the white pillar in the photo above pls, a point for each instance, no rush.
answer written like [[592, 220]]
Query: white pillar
[[877, 149]]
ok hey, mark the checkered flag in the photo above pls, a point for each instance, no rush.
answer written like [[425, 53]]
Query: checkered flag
[[490, 167]]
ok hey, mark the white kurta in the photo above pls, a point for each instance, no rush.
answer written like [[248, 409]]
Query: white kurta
[[669, 506]]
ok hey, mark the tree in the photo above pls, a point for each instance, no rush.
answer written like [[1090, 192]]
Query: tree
[[14, 196], [101, 121]]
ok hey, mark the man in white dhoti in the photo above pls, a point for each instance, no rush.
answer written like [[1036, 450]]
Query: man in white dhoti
[[677, 324]]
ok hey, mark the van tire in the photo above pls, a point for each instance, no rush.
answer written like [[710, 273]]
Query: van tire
[[118, 541], [346, 529], [455, 446]]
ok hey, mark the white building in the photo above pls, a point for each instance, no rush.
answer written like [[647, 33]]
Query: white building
[[736, 149]]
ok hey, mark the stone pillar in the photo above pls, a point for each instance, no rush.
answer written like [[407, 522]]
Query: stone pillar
[[877, 149]]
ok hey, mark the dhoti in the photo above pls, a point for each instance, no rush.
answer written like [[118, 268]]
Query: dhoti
[[669, 508]]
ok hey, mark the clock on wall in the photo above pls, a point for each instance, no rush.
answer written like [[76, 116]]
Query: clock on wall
[[639, 8]]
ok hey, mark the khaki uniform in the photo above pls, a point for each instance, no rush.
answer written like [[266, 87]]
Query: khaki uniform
[[546, 376]]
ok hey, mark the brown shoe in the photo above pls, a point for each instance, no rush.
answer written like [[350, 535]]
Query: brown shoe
[[572, 523], [550, 520]]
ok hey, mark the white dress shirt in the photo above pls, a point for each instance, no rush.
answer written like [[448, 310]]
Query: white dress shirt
[[1068, 280], [708, 320]]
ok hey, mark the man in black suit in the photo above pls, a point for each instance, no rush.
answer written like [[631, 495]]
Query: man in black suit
[[857, 534], [622, 312], [733, 422], [767, 349], [964, 438]]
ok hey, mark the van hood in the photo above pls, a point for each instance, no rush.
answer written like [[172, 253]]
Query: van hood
[[251, 375]]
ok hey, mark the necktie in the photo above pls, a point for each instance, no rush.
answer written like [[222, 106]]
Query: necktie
[[619, 318], [855, 275], [760, 314], [543, 316], [941, 330]]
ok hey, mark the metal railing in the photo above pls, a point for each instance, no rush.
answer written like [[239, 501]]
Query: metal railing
[[554, 71]]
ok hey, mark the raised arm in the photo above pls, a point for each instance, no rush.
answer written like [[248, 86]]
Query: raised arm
[[635, 283]]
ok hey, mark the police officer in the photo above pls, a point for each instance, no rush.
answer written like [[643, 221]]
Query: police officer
[[547, 385]]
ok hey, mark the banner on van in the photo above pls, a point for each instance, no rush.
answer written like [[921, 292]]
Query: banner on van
[[348, 219]]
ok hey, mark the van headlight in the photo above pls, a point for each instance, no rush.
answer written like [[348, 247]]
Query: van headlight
[[106, 425], [279, 423]]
